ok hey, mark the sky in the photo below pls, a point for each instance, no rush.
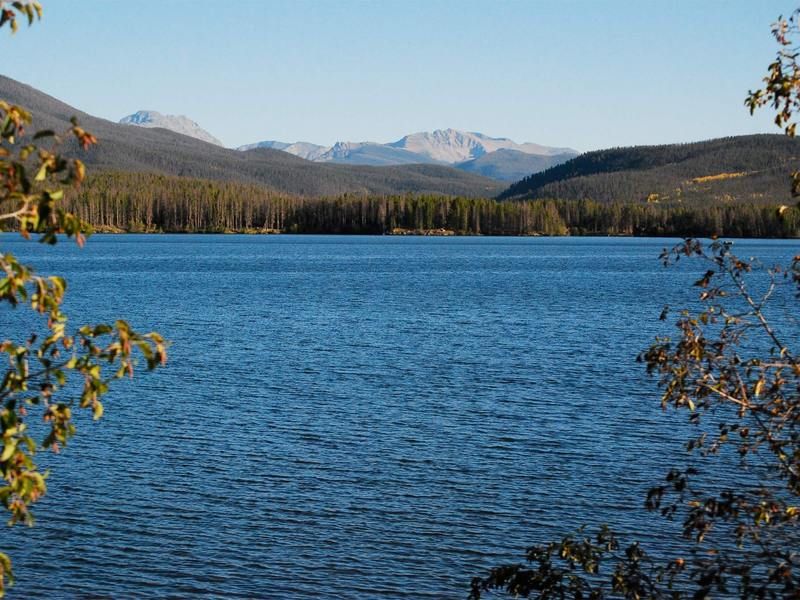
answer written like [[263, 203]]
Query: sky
[[585, 75]]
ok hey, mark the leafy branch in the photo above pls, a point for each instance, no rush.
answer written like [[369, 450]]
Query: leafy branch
[[37, 369]]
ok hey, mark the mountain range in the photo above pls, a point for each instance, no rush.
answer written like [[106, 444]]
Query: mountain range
[[735, 169], [499, 158], [461, 149], [159, 150]]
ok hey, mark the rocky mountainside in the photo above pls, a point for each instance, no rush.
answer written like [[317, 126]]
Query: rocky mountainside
[[176, 123], [453, 146], [159, 150], [305, 150], [510, 161]]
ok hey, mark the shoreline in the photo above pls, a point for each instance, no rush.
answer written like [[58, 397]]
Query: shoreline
[[427, 233], [439, 232]]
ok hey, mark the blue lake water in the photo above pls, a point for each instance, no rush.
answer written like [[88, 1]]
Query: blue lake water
[[353, 417]]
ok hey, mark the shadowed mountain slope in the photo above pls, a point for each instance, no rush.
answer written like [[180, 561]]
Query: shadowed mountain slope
[[753, 168], [366, 153], [138, 149], [511, 165]]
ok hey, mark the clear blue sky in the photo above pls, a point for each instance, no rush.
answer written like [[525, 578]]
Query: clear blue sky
[[582, 74]]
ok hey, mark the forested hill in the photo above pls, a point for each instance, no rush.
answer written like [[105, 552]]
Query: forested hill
[[752, 168], [159, 203], [136, 149]]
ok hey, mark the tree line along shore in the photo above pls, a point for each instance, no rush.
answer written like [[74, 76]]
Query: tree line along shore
[[145, 202]]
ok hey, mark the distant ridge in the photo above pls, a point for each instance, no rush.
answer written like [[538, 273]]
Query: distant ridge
[[442, 146], [176, 123], [304, 150], [370, 153], [159, 150], [454, 146], [751, 168], [510, 165]]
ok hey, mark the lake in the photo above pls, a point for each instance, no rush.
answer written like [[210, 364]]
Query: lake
[[354, 417]]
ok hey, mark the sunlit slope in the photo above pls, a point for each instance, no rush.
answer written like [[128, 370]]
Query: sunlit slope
[[752, 168]]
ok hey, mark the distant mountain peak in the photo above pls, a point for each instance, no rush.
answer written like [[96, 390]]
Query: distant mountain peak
[[456, 146], [142, 117], [177, 123], [441, 146], [342, 150], [305, 150]]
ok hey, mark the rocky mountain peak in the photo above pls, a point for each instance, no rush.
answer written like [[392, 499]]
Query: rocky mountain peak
[[177, 123]]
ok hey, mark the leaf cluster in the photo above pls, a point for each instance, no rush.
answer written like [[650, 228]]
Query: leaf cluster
[[34, 382], [732, 369], [727, 365], [781, 89], [11, 12]]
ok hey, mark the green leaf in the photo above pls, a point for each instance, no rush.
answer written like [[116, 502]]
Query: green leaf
[[8, 450]]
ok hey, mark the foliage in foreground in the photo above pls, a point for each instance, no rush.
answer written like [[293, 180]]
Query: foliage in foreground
[[742, 539], [32, 180], [733, 369]]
